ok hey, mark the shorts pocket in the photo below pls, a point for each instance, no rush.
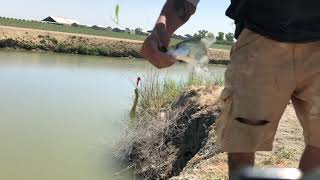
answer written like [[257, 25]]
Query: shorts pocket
[[224, 117], [246, 38], [236, 136]]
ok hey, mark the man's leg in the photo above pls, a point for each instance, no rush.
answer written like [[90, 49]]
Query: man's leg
[[306, 101], [258, 85], [310, 159], [237, 161]]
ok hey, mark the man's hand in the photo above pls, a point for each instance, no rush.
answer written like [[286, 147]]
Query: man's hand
[[151, 52], [173, 15]]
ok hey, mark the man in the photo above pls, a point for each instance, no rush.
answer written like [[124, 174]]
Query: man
[[276, 58]]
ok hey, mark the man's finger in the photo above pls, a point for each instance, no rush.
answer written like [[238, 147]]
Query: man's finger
[[166, 57], [152, 53], [162, 60]]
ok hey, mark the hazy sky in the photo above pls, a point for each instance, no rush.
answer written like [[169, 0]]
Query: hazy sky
[[133, 13]]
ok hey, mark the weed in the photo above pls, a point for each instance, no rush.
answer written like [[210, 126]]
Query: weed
[[53, 40], [43, 41], [279, 156]]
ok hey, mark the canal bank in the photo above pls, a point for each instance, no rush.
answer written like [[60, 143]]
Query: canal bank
[[39, 40]]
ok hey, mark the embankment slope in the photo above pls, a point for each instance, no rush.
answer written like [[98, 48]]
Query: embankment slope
[[31, 39]]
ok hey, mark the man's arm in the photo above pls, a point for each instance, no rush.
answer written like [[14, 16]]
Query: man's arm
[[173, 15]]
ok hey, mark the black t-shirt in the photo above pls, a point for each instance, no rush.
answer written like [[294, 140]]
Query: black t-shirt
[[282, 20]]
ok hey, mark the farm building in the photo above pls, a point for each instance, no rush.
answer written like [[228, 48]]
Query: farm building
[[60, 20]]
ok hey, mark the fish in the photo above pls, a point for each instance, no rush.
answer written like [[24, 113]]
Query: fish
[[191, 50]]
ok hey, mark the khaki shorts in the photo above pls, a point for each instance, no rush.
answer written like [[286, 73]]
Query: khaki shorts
[[260, 81]]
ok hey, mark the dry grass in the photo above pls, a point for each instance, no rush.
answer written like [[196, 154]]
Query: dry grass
[[145, 145]]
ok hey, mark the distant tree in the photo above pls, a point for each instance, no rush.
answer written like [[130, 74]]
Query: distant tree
[[201, 34], [94, 27], [118, 30], [210, 35], [230, 37], [75, 25], [220, 36], [109, 28], [97, 27], [129, 31], [138, 31]]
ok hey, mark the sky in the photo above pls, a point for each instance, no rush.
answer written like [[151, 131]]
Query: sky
[[210, 14]]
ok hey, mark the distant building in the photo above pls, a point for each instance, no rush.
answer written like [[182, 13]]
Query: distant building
[[60, 20]]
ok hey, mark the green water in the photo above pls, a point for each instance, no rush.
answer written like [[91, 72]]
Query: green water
[[61, 114]]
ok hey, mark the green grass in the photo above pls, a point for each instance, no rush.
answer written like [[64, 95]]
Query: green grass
[[279, 156], [221, 46], [81, 30], [156, 92]]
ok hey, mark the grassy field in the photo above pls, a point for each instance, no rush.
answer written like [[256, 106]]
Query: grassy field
[[80, 30], [67, 29], [221, 46]]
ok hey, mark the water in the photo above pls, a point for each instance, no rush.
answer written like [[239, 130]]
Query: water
[[61, 114]]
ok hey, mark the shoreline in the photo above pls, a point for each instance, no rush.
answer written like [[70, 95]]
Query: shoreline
[[60, 42]]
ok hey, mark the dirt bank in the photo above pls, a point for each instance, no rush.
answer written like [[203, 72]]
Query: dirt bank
[[288, 147], [161, 143], [185, 146], [31, 39], [208, 163]]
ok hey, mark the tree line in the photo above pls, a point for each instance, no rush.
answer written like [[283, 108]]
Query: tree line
[[221, 37]]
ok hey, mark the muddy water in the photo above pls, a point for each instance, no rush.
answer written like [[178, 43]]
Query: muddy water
[[61, 114]]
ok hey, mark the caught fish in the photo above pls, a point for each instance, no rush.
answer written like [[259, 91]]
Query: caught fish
[[192, 50]]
